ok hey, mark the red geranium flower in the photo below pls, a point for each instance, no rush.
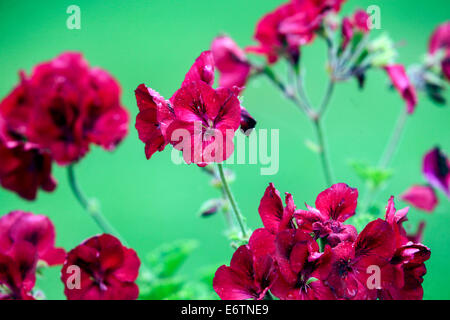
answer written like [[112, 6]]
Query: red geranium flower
[[38, 230], [403, 276], [374, 246], [64, 106], [251, 272], [291, 25], [25, 169], [17, 271], [333, 207], [301, 268], [436, 168], [401, 82], [421, 197], [108, 270], [198, 119], [440, 40]]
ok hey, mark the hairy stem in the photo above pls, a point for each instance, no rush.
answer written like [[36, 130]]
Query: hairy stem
[[87, 204], [394, 140], [232, 201]]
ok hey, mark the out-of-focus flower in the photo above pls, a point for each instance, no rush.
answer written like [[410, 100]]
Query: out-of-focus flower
[[421, 197], [108, 270], [403, 85], [436, 169], [357, 23], [440, 41]]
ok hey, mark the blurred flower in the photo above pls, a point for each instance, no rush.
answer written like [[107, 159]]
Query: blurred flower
[[440, 41], [357, 23], [25, 169], [108, 270], [401, 82], [421, 197], [17, 271], [64, 106], [38, 230], [282, 31], [436, 168]]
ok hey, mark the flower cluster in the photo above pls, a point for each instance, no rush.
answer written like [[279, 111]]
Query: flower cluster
[[311, 254], [54, 115], [198, 119]]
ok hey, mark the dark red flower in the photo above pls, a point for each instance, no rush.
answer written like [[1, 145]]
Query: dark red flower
[[274, 216], [440, 40], [25, 169], [421, 197], [251, 272], [38, 230], [333, 207], [374, 246], [64, 106], [17, 271], [436, 168], [301, 268], [108, 270], [291, 25], [401, 82], [231, 62]]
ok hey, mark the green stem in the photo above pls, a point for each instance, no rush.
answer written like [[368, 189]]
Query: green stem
[[323, 152], [232, 201], [88, 205], [394, 140], [327, 97]]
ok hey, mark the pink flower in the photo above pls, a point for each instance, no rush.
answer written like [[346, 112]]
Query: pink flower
[[231, 62], [251, 271], [108, 270], [421, 197], [358, 22], [35, 229], [401, 82], [440, 40], [25, 169], [436, 168]]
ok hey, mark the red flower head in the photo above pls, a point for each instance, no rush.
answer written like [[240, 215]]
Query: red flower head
[[301, 268], [108, 270], [198, 119], [231, 61], [440, 40], [64, 106], [17, 272], [251, 272], [356, 23], [350, 261], [401, 82], [38, 230], [402, 278], [25, 169], [274, 217], [333, 207], [291, 25], [421, 197], [436, 168]]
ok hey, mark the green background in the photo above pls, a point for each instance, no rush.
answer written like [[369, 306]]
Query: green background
[[156, 41]]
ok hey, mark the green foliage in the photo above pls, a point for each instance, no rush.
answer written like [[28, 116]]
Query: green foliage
[[164, 282], [374, 176]]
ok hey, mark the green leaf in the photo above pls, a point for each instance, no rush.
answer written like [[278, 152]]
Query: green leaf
[[167, 259], [160, 289]]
